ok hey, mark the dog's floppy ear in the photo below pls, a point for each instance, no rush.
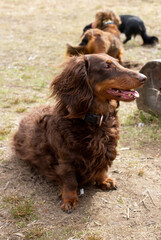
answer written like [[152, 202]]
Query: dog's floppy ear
[[72, 87], [114, 17], [98, 20], [75, 50]]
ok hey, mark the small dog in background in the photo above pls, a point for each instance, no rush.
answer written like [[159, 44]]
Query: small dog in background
[[104, 37], [96, 41], [132, 26], [107, 21]]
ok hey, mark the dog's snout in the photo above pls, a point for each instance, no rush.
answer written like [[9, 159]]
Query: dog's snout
[[142, 78]]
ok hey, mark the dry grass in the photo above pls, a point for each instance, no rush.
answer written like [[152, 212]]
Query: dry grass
[[35, 233], [20, 207]]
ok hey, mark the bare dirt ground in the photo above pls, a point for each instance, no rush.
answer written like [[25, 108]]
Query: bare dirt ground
[[33, 41]]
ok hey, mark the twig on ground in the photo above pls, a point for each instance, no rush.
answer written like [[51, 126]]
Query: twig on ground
[[125, 148], [151, 197], [128, 213], [6, 186], [116, 171], [144, 198], [104, 200], [144, 202], [145, 205], [3, 166]]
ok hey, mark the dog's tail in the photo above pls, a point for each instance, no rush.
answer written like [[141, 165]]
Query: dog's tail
[[148, 39]]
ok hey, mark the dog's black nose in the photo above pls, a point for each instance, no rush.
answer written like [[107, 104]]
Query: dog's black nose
[[142, 77]]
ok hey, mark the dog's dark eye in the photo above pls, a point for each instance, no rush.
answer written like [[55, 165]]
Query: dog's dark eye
[[107, 66]]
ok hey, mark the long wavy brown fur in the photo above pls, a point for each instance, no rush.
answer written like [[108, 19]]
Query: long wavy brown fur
[[106, 15], [59, 142], [96, 41], [102, 16]]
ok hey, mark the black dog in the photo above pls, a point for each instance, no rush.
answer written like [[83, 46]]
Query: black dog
[[131, 26], [87, 27]]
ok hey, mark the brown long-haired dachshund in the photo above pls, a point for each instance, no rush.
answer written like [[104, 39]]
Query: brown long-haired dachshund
[[104, 37], [96, 41], [107, 21], [74, 142]]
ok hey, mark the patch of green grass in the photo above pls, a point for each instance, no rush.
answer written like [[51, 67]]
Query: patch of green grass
[[31, 75], [20, 207], [22, 210], [133, 163], [100, 6], [6, 105], [120, 200], [137, 116], [14, 101], [139, 128], [2, 206], [148, 118], [36, 233], [23, 76], [2, 151], [21, 224], [66, 231], [24, 99], [21, 109], [4, 132], [87, 235], [141, 173], [2, 138], [93, 236]]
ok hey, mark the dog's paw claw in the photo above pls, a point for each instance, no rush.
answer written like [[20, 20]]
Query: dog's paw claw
[[69, 211], [115, 188], [69, 206]]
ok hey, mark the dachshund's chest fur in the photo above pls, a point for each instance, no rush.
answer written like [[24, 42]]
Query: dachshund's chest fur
[[88, 147], [52, 140]]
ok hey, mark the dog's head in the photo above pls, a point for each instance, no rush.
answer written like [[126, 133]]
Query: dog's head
[[95, 77], [92, 41], [103, 18]]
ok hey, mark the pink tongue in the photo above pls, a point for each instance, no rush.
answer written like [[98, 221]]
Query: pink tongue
[[124, 94], [128, 93]]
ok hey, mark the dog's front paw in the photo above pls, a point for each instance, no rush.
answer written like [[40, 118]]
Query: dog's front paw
[[69, 205], [108, 184]]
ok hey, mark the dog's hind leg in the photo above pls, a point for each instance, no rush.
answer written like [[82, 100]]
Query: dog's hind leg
[[128, 37]]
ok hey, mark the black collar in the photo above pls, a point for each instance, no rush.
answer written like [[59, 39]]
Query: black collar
[[96, 119]]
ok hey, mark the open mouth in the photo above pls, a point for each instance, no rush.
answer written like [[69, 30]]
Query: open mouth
[[123, 94]]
